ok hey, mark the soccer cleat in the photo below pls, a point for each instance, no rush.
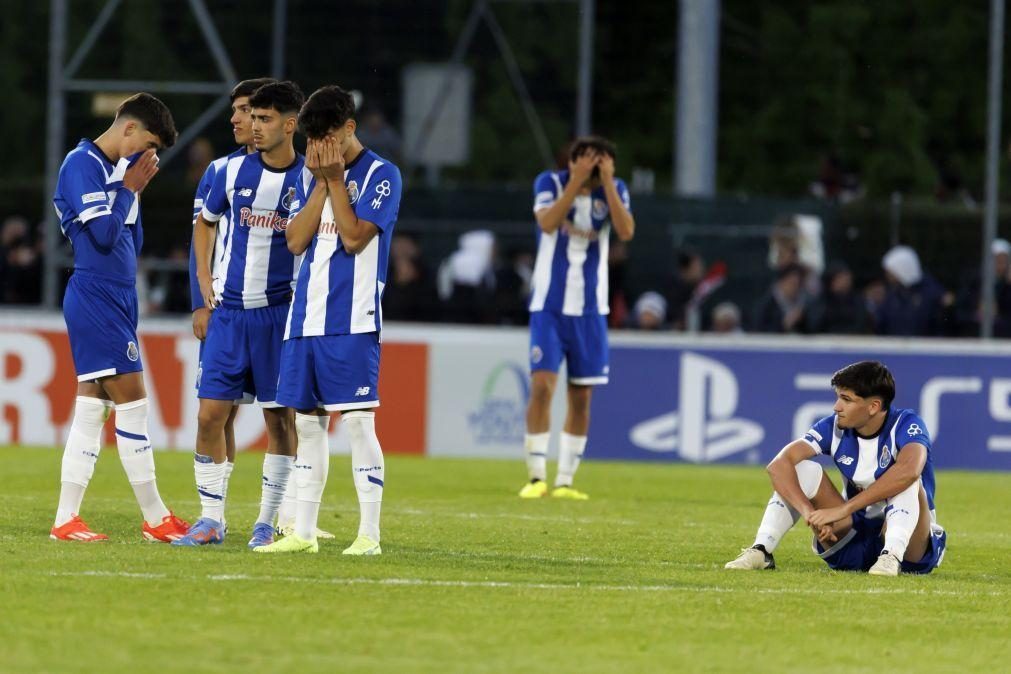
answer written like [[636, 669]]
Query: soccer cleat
[[290, 543], [263, 534], [754, 558], [76, 530], [887, 565], [204, 531], [363, 545], [289, 529], [534, 489], [569, 493], [171, 529]]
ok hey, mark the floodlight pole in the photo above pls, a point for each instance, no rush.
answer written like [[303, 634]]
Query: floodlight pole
[[696, 107], [992, 166], [584, 92], [54, 139]]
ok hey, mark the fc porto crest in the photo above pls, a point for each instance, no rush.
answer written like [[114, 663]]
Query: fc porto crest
[[288, 199], [132, 352], [886, 457], [352, 191], [599, 209]]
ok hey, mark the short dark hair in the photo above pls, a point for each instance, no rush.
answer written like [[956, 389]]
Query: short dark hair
[[584, 144], [285, 97], [247, 87], [153, 114], [327, 108], [868, 378]]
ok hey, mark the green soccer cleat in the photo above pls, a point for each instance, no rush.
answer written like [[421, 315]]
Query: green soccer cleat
[[363, 545], [290, 543], [569, 493], [535, 489], [289, 529]]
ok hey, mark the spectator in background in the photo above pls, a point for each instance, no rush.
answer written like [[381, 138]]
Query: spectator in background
[[834, 183], [512, 287], [410, 294], [650, 311], [466, 281], [782, 308], [840, 310], [797, 239], [969, 302], [20, 263], [690, 271], [199, 156], [168, 288], [726, 319], [914, 303], [376, 134]]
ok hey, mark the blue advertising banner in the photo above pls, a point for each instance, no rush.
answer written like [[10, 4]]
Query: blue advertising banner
[[742, 404]]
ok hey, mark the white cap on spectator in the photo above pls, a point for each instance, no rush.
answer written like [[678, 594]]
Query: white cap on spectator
[[474, 258], [1000, 246], [652, 302], [903, 263]]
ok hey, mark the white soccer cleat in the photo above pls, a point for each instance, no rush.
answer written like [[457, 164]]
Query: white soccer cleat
[[887, 565], [289, 529], [752, 559]]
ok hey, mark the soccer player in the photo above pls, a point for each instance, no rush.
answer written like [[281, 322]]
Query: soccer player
[[98, 202], [249, 298], [575, 211], [884, 521], [347, 205], [242, 129]]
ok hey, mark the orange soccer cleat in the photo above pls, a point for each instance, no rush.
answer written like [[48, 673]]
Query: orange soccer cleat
[[171, 529], [76, 530]]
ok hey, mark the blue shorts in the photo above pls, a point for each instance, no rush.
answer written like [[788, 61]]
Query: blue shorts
[[101, 316], [242, 353], [580, 340], [247, 395], [335, 372], [859, 549]]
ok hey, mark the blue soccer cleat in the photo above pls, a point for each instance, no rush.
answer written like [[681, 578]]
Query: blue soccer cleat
[[263, 534], [204, 531]]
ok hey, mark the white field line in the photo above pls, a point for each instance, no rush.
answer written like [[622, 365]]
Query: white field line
[[493, 584]]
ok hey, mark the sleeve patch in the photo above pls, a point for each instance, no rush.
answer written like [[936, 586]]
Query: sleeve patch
[[92, 197]]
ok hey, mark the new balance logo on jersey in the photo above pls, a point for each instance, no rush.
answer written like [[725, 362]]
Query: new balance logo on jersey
[[267, 219], [362, 391], [846, 460], [245, 192]]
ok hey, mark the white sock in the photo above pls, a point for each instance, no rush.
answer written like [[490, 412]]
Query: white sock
[[80, 455], [779, 516], [536, 446], [210, 479], [901, 515], [229, 467], [570, 451], [367, 468], [138, 458], [276, 470], [286, 513], [312, 464]]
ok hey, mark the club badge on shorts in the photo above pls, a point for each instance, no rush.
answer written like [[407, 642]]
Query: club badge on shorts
[[132, 352]]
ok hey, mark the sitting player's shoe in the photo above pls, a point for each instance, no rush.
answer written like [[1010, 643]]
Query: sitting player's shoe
[[290, 543], [569, 493], [754, 558], [171, 529], [887, 565], [289, 529], [534, 489], [263, 534], [76, 530], [363, 545], [204, 531]]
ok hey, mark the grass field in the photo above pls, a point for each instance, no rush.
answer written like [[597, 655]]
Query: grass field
[[473, 579]]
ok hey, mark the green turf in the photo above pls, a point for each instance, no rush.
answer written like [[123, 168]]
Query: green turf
[[472, 579]]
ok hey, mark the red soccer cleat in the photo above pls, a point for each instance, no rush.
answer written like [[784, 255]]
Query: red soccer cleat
[[171, 529], [76, 530]]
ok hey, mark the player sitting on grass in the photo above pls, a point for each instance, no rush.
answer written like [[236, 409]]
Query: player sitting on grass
[[884, 521]]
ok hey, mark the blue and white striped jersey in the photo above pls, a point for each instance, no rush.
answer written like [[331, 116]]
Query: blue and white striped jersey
[[338, 293], [570, 273], [87, 189], [861, 461], [256, 268], [221, 234]]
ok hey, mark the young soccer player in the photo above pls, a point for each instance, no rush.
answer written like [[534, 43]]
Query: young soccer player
[[347, 205], [884, 522], [249, 299], [98, 201], [242, 129], [575, 211]]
